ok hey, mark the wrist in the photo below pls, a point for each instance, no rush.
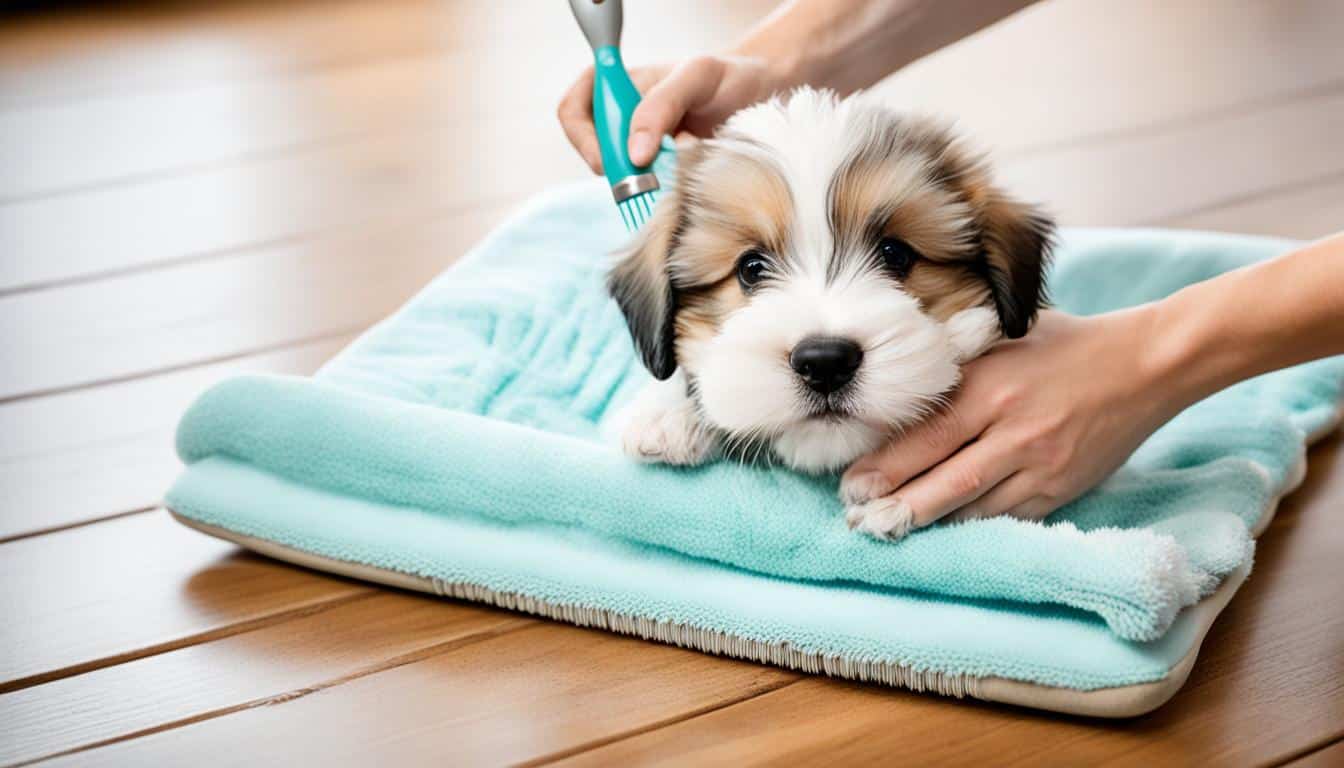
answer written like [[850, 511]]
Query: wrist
[[1180, 356]]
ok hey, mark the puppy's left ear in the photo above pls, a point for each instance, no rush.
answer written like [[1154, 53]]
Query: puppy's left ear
[[1017, 239], [642, 286]]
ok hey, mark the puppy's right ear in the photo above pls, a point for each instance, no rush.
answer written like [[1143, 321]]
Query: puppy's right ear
[[642, 286]]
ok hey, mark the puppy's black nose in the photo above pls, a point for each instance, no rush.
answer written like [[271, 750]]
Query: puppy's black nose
[[826, 363]]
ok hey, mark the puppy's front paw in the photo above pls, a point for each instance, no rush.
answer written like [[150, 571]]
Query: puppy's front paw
[[860, 486], [885, 517], [671, 435]]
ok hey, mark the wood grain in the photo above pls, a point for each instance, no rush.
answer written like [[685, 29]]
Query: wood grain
[[289, 201], [1306, 211], [1204, 164], [370, 144], [277, 663], [525, 695], [155, 130], [90, 51], [1331, 756], [92, 453], [151, 133], [101, 594], [195, 188], [202, 312], [106, 53], [1065, 74], [1270, 679]]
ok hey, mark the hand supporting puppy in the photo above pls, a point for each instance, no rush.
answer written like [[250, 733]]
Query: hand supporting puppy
[[1040, 420], [1035, 423]]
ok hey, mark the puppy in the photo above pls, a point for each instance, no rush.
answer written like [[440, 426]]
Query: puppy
[[813, 283]]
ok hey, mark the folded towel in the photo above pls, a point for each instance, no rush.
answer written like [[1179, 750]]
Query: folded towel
[[485, 399]]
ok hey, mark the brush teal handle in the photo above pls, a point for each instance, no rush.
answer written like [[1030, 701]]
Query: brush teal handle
[[614, 102]]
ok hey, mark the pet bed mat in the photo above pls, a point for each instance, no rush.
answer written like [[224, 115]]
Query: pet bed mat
[[460, 448]]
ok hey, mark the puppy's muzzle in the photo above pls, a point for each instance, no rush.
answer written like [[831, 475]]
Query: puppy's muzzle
[[826, 363]]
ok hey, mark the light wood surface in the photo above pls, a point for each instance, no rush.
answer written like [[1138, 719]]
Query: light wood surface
[[535, 693], [275, 663], [1268, 681], [88, 597], [108, 450], [193, 190]]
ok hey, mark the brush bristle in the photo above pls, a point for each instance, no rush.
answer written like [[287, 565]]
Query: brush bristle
[[637, 210]]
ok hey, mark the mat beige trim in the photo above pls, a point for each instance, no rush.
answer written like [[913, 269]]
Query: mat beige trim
[[1124, 701]]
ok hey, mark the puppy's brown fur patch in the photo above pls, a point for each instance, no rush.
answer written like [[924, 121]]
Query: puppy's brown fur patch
[[913, 180]]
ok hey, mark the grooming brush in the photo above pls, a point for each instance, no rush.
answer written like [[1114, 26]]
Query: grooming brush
[[614, 101]]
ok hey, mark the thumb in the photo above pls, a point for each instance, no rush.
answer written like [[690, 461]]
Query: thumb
[[691, 84]]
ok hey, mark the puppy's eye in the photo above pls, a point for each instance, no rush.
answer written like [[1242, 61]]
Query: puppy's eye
[[752, 267], [896, 255]]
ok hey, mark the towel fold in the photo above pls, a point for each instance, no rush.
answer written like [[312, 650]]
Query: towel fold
[[487, 395]]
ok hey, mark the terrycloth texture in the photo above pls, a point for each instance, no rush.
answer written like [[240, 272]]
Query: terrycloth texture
[[476, 414]]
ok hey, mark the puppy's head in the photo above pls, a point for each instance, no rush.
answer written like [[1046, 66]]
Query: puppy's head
[[821, 269]]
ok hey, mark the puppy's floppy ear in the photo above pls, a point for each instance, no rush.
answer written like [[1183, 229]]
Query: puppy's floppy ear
[[642, 286], [1016, 239]]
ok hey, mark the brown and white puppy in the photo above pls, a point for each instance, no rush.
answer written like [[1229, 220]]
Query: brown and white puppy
[[813, 283]]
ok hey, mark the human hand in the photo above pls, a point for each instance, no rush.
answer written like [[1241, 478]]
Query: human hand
[[1035, 423], [693, 97]]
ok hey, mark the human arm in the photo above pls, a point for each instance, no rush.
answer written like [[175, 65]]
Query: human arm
[[1040, 420], [844, 45]]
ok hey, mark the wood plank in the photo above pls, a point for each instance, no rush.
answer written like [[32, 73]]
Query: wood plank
[[84, 51], [1184, 169], [93, 53], [101, 594], [448, 156], [51, 151], [526, 695], [334, 166], [92, 453], [380, 180], [1269, 681], [1069, 73], [200, 312], [1331, 756], [1306, 211], [273, 664], [219, 212], [342, 288]]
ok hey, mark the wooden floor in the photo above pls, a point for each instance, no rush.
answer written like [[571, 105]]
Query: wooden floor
[[193, 190]]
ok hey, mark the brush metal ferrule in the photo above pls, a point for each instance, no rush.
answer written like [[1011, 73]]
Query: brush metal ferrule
[[600, 21], [630, 186]]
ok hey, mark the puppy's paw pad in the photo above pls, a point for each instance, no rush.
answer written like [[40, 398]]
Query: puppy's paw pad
[[883, 518], [860, 487], [672, 436]]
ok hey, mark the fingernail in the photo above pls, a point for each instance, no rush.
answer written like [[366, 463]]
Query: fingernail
[[642, 146]]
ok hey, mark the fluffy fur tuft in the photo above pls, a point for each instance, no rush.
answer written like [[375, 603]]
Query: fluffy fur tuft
[[812, 217]]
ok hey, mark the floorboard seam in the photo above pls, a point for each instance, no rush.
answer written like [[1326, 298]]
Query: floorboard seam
[[77, 524], [508, 626], [664, 723], [150, 372], [217, 633], [1309, 750], [1250, 197]]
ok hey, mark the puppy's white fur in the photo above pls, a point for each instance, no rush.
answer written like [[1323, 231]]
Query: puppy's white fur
[[743, 395]]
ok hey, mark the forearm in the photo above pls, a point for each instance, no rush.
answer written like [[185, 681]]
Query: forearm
[[851, 44], [1268, 316]]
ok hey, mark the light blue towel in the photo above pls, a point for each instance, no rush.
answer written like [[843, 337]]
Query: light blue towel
[[462, 440]]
